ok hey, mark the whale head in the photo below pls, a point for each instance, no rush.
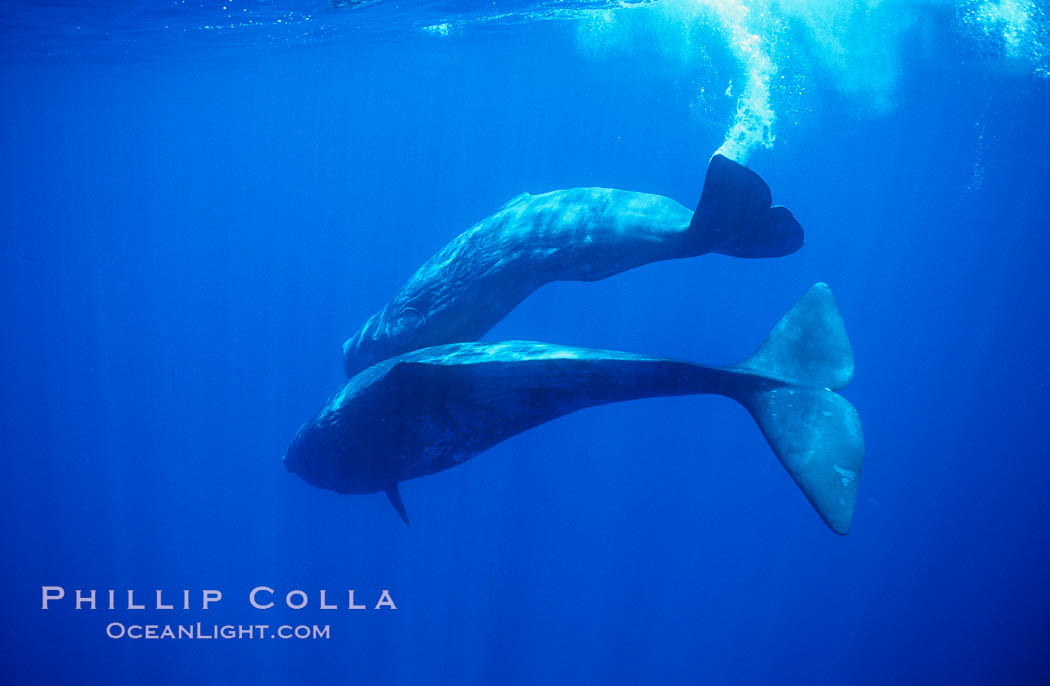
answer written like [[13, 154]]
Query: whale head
[[381, 338], [361, 351], [327, 455], [350, 446]]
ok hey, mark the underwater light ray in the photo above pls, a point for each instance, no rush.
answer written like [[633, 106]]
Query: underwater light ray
[[681, 28], [860, 47]]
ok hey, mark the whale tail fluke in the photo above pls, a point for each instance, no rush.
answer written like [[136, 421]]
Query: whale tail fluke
[[814, 431], [734, 216]]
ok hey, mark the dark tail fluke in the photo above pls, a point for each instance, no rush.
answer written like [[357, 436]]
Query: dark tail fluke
[[814, 431], [734, 216]]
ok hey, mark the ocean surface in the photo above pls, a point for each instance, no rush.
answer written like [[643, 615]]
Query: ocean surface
[[201, 201]]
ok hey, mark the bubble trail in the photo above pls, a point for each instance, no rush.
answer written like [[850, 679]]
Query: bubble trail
[[754, 119]]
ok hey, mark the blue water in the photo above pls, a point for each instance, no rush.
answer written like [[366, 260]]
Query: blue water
[[197, 210]]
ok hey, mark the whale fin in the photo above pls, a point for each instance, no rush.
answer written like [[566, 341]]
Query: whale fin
[[734, 216], [520, 197], [395, 499], [814, 431]]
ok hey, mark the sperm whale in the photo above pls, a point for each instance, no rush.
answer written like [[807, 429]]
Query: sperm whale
[[580, 234], [431, 409]]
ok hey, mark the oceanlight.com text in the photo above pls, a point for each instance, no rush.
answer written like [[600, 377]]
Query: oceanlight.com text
[[201, 631]]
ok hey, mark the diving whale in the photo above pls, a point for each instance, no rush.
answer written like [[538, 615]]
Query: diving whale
[[432, 409], [580, 234]]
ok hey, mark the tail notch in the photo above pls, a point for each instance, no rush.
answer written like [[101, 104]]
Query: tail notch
[[734, 216], [815, 432]]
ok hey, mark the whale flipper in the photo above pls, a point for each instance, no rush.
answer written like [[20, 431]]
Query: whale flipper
[[814, 431], [734, 216], [395, 499]]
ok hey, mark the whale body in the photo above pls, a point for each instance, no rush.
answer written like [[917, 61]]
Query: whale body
[[431, 409], [580, 234]]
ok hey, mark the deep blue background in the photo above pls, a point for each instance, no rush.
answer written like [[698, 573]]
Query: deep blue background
[[189, 237]]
